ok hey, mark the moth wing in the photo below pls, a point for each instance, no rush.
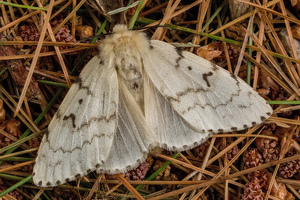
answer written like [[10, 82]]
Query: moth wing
[[133, 139], [173, 132], [207, 97], [81, 132]]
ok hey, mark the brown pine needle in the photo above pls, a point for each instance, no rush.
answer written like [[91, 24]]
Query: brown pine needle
[[129, 187], [35, 58]]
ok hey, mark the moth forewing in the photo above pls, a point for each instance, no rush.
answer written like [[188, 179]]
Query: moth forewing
[[208, 97], [86, 120]]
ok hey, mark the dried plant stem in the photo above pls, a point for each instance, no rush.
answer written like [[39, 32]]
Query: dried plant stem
[[16, 166], [16, 57], [264, 8], [94, 188], [35, 58], [129, 187], [37, 196]]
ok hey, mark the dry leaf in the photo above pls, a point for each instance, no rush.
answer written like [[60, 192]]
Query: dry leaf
[[296, 4], [296, 32], [84, 31], [208, 52], [236, 31]]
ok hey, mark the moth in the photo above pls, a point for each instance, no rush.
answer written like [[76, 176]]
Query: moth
[[135, 95]]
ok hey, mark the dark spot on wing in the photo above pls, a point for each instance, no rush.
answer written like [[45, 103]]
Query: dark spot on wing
[[58, 182], [253, 123], [150, 45], [40, 183], [189, 68], [77, 176], [234, 128], [80, 101], [48, 184], [262, 118], [205, 78]]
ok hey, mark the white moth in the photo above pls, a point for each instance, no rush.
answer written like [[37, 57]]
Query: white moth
[[135, 95]]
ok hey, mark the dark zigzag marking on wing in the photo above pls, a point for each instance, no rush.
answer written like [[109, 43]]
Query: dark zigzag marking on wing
[[80, 86], [189, 90], [180, 56], [183, 93], [98, 119], [84, 143], [222, 104], [192, 90], [72, 117], [205, 78], [113, 116], [58, 182]]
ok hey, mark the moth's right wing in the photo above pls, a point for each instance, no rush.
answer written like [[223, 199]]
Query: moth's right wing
[[81, 132], [172, 131], [187, 94], [208, 97]]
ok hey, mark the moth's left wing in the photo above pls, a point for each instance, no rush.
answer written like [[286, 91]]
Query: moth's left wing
[[208, 98], [82, 131]]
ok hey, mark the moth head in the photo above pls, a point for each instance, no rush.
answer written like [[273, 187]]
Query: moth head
[[123, 40]]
